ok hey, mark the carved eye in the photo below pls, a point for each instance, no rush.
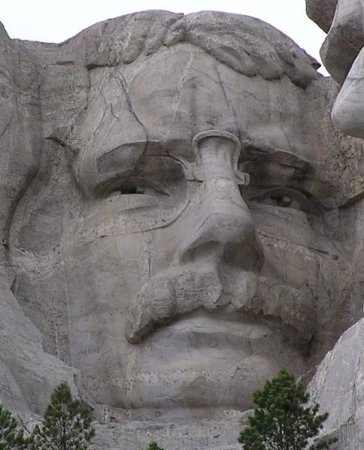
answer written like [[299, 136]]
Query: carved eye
[[158, 177], [141, 186], [132, 190], [285, 201], [283, 198]]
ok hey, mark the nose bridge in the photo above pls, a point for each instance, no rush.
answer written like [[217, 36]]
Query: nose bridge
[[219, 221]]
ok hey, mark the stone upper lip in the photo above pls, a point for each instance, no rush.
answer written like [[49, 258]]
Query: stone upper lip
[[175, 295]]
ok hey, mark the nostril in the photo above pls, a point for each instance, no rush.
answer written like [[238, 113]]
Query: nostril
[[201, 250], [246, 255], [227, 237]]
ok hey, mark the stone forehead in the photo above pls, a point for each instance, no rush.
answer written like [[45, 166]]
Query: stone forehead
[[183, 91], [169, 93]]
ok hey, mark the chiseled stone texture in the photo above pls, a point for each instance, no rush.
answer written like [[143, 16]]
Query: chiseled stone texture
[[179, 219], [322, 12], [25, 381], [338, 386], [345, 33], [219, 434], [28, 375]]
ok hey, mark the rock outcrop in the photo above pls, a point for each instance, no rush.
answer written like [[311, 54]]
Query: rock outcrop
[[338, 386], [338, 383]]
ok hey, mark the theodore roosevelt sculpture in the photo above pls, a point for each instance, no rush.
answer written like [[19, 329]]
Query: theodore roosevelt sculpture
[[176, 236]]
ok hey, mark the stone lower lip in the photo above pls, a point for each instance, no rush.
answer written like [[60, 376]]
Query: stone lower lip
[[192, 335], [208, 324]]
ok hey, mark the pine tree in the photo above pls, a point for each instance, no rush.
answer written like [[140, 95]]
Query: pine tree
[[11, 435], [66, 424], [282, 419], [153, 446]]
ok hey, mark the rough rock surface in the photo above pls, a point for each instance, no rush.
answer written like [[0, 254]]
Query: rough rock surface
[[179, 219], [338, 386], [338, 383], [345, 34], [322, 12], [24, 366], [218, 434]]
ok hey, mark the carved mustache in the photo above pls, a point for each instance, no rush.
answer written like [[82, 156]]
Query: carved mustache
[[172, 295]]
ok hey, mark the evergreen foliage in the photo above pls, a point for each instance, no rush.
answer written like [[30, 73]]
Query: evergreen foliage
[[282, 419], [66, 424], [153, 446], [11, 435]]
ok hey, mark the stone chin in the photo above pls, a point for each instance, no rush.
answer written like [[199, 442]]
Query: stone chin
[[202, 361], [206, 362], [213, 355]]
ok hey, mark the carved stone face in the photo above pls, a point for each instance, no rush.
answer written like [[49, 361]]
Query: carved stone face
[[187, 284], [183, 256]]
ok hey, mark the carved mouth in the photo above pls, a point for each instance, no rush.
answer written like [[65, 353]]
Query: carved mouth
[[167, 301], [203, 332]]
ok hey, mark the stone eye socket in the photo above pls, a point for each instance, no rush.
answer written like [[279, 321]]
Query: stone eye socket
[[141, 186], [283, 198], [132, 190]]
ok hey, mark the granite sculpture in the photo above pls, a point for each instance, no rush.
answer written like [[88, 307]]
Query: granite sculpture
[[178, 217], [338, 384]]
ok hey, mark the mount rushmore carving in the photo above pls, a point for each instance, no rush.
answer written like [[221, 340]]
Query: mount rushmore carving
[[179, 217]]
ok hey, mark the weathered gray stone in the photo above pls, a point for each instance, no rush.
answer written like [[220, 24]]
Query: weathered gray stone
[[178, 221], [218, 434], [338, 386], [322, 12], [348, 110], [345, 35], [338, 382], [28, 374]]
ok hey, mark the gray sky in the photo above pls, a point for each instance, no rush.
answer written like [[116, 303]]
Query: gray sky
[[57, 20]]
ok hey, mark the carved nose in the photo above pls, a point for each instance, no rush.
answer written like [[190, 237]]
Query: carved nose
[[219, 223]]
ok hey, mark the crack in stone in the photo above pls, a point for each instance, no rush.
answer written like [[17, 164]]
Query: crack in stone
[[122, 82], [221, 84]]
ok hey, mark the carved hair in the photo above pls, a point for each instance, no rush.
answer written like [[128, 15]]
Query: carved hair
[[246, 44]]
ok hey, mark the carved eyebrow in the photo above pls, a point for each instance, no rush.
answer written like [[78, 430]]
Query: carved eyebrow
[[300, 174], [261, 152], [125, 156]]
